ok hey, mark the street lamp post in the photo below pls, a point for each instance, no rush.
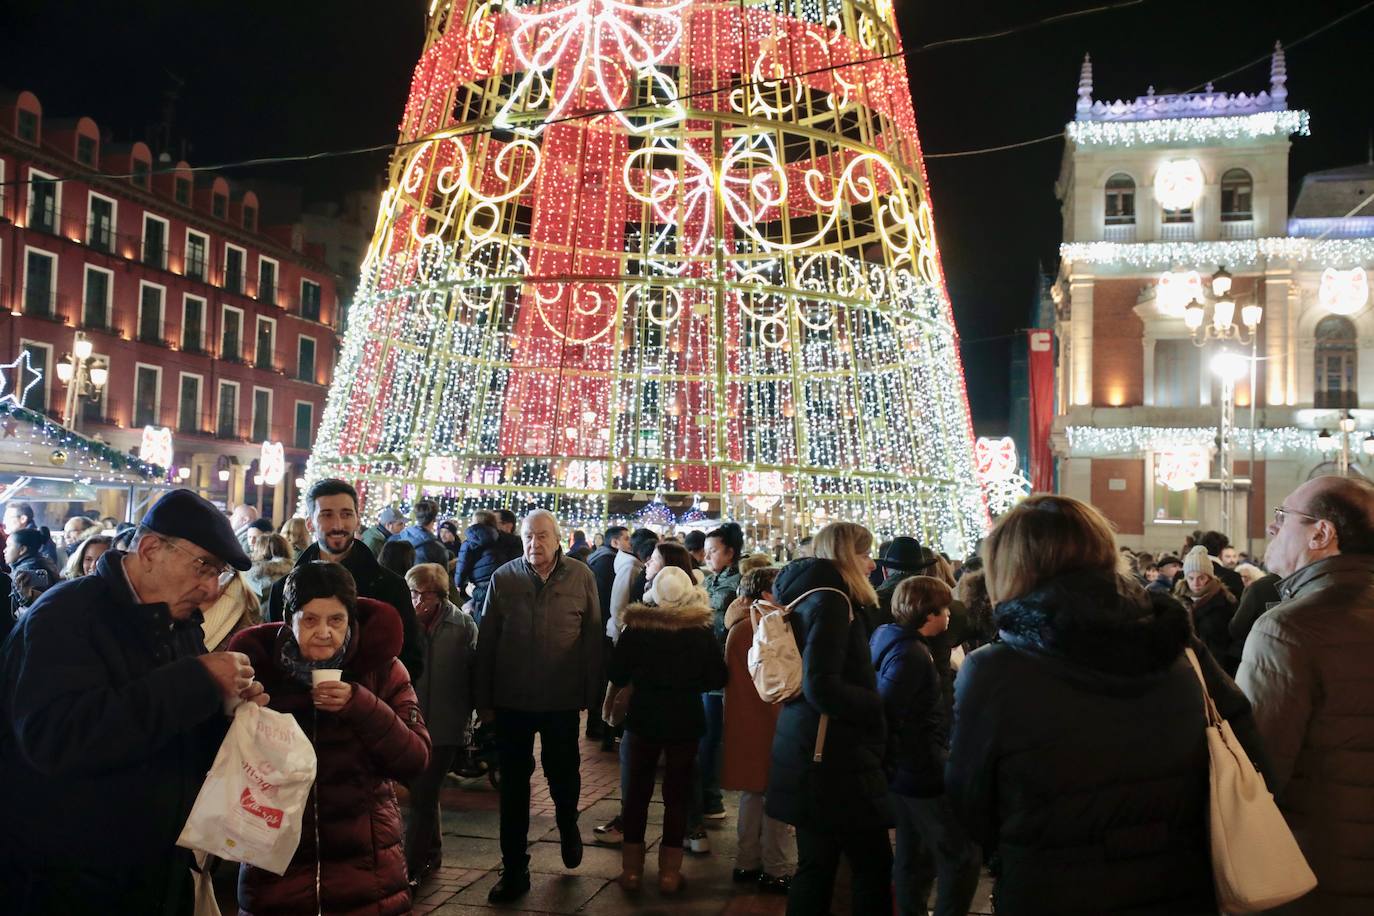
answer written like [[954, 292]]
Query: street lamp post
[[1230, 366], [85, 378]]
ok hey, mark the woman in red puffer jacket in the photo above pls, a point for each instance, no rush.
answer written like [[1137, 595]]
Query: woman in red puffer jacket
[[367, 732]]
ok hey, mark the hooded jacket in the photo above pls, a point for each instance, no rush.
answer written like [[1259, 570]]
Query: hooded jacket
[[445, 688], [917, 724], [108, 726], [1079, 752], [379, 736], [847, 789], [669, 654], [374, 582], [485, 549], [1307, 670]]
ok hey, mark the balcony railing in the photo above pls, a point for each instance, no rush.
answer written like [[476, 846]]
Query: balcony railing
[[1177, 232], [1237, 228], [1119, 232]]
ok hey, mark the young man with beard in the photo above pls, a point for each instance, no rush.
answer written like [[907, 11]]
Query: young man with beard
[[334, 521]]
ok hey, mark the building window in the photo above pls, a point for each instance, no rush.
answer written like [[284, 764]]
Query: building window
[[151, 300], [100, 223], [219, 204], [1337, 359], [40, 274], [95, 305], [85, 150], [233, 268], [1178, 216], [188, 404], [227, 417], [305, 359], [310, 300], [140, 173], [181, 191], [40, 360], [262, 414], [154, 241], [250, 218], [1120, 200], [305, 424], [267, 281], [265, 349], [28, 125], [193, 325], [197, 246], [1237, 196], [147, 395], [231, 344], [42, 202]]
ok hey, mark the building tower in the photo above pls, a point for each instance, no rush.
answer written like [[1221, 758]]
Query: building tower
[[668, 248]]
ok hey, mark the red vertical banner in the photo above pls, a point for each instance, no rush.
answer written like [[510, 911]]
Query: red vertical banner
[[1040, 364]]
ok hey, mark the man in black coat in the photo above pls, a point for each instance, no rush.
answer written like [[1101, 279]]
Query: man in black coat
[[903, 558], [333, 507], [1216, 542], [602, 562], [112, 712]]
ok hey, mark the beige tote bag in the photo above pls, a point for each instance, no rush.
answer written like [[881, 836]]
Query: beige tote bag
[[1256, 863]]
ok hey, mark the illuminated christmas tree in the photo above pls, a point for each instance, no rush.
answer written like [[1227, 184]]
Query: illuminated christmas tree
[[664, 247]]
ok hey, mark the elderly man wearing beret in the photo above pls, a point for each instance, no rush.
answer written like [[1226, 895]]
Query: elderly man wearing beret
[[112, 712]]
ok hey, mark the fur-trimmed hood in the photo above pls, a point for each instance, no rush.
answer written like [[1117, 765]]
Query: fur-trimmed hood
[[272, 569], [1099, 622], [653, 617]]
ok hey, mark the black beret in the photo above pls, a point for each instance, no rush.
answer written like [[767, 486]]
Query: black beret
[[190, 517]]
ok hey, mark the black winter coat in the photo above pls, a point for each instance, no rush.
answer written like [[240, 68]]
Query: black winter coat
[[602, 563], [375, 582], [109, 726], [917, 724], [847, 790], [670, 657], [1211, 622], [1079, 752]]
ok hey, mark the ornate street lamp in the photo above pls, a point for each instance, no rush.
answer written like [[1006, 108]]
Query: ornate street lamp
[[85, 378], [1230, 366]]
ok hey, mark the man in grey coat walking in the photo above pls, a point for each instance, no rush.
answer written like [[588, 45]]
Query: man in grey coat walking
[[538, 665], [1307, 672]]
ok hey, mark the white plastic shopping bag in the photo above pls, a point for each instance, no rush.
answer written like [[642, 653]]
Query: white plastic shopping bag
[[251, 805]]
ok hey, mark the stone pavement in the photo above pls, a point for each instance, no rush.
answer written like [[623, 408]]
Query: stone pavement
[[471, 828]]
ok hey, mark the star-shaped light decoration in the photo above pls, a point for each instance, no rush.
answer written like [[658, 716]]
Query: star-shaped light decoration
[[13, 388]]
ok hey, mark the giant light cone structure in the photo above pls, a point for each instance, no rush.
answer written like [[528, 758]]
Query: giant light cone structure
[[659, 248]]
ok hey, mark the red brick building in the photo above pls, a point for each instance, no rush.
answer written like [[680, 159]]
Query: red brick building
[[209, 324]]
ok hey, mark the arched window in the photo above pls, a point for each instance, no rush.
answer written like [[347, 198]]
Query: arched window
[[1120, 200], [1337, 361], [1237, 196]]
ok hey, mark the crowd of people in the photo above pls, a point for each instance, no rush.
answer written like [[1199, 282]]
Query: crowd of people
[[1029, 710]]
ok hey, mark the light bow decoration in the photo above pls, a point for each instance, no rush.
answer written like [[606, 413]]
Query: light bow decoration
[[1343, 292], [1178, 184], [586, 306], [1178, 288], [14, 389], [272, 463], [1179, 469], [155, 447], [999, 473]]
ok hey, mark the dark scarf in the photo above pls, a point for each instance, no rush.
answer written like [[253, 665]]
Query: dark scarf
[[296, 665]]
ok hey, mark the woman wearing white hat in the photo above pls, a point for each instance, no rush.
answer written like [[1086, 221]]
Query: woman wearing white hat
[[667, 657], [1212, 605]]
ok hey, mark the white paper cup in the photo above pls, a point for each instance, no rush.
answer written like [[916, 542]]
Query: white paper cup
[[325, 675]]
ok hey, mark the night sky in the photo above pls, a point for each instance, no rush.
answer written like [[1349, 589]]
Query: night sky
[[266, 77]]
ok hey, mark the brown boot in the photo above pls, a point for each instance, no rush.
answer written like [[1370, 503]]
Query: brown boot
[[669, 869], [631, 866]]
